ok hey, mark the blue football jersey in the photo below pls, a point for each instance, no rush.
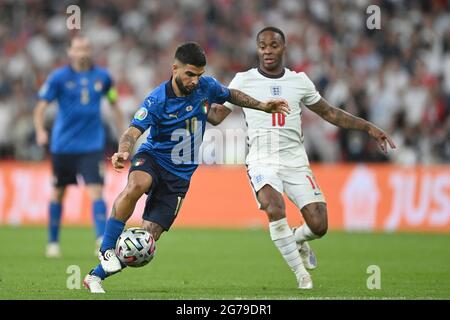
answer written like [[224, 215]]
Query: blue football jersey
[[177, 124], [78, 125]]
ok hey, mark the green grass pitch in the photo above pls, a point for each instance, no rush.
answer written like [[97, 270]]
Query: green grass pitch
[[230, 264]]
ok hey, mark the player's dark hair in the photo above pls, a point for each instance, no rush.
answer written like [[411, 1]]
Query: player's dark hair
[[191, 53], [273, 29]]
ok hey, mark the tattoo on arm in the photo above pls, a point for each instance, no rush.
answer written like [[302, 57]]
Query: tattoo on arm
[[239, 98], [127, 141], [339, 117]]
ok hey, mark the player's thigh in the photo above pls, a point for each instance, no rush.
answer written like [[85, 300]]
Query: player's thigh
[[143, 175], [261, 176], [64, 170], [301, 187], [165, 200], [91, 166]]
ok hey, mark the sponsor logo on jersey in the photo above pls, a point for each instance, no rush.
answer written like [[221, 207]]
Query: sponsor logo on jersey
[[141, 114], [275, 91], [173, 115]]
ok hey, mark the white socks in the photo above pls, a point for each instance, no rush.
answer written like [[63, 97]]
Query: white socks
[[284, 240], [304, 233]]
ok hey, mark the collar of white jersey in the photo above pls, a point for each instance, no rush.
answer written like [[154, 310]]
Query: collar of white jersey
[[271, 76]]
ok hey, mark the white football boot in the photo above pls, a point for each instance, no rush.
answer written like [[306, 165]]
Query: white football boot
[[93, 283], [308, 257], [52, 250], [110, 262], [307, 254], [305, 281]]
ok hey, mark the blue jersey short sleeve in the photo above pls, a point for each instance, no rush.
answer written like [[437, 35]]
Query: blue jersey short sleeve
[[49, 89], [146, 116], [218, 92]]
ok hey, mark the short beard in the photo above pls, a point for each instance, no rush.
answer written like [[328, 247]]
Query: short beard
[[182, 88]]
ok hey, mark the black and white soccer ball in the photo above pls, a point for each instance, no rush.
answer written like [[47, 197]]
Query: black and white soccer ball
[[135, 247]]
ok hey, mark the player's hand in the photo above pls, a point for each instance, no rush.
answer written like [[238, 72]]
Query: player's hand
[[41, 137], [277, 106], [118, 160], [381, 137]]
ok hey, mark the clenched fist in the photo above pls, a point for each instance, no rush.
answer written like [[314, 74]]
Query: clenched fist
[[118, 160]]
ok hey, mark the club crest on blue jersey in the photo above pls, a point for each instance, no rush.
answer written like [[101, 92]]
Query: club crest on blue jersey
[[205, 106], [141, 114], [275, 91], [70, 85], [98, 86]]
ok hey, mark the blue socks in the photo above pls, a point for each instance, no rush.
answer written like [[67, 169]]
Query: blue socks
[[113, 230], [54, 221], [99, 272], [99, 214]]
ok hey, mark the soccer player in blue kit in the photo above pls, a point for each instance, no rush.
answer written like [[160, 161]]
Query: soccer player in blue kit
[[78, 138], [175, 114]]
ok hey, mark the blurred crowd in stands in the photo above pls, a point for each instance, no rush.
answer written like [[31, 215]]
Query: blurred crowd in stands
[[397, 77]]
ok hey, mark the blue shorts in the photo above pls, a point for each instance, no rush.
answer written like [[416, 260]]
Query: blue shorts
[[67, 166], [166, 193]]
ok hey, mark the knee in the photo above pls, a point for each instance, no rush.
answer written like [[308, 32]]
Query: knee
[[154, 229], [136, 189], [320, 230], [319, 227], [275, 211], [95, 192], [57, 195]]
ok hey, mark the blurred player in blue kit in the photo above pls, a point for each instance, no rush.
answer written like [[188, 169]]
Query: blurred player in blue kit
[[78, 137], [175, 114]]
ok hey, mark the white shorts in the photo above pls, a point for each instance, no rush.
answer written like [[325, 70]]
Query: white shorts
[[299, 184]]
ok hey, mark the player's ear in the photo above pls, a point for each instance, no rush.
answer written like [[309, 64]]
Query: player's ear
[[176, 66]]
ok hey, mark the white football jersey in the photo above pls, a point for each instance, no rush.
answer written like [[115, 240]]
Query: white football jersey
[[275, 139]]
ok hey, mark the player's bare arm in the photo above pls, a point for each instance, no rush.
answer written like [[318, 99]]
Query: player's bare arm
[[39, 123], [217, 114], [346, 120], [127, 141], [239, 98]]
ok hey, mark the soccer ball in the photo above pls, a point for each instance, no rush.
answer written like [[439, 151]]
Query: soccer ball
[[135, 247]]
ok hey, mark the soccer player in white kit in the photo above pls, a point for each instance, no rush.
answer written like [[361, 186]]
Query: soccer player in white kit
[[277, 160]]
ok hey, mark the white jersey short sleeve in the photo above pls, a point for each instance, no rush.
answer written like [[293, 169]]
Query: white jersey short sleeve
[[311, 95], [234, 84]]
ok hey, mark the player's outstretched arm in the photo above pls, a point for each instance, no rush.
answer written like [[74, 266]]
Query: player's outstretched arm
[[346, 120], [241, 99], [127, 141], [217, 114]]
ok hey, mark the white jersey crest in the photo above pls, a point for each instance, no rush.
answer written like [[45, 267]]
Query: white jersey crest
[[276, 139]]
